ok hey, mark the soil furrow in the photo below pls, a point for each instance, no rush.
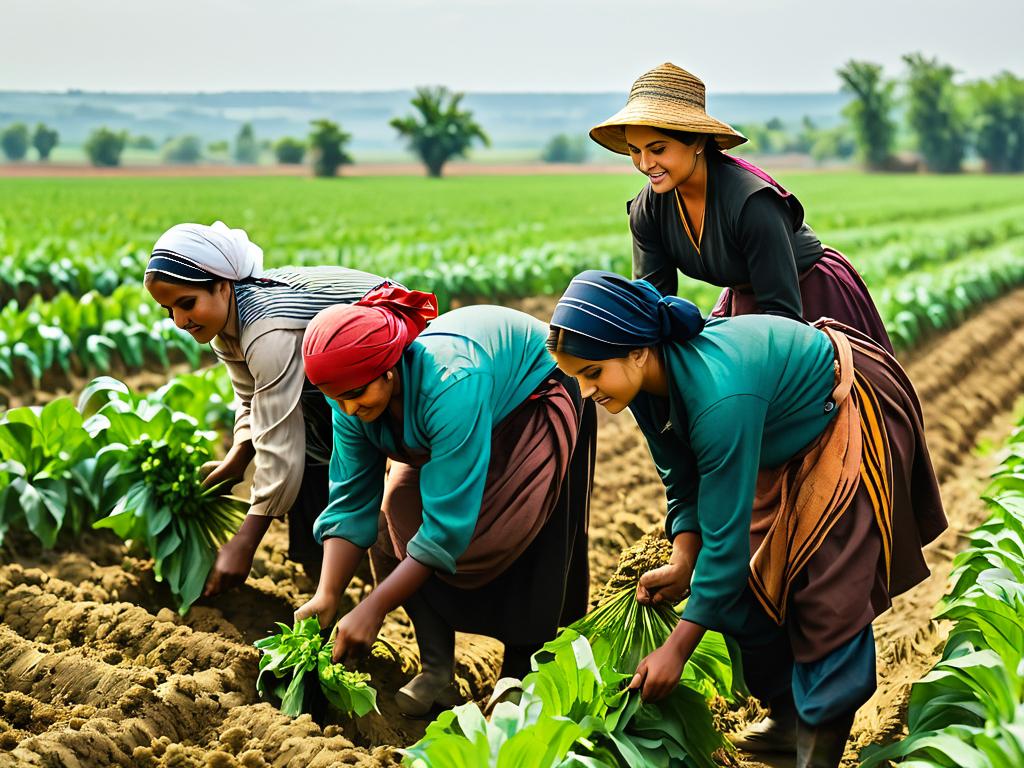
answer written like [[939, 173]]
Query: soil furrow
[[97, 670]]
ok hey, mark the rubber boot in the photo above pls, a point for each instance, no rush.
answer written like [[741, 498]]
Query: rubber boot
[[822, 746], [777, 733], [435, 686]]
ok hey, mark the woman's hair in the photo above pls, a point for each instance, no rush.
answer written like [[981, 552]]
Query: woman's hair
[[163, 277], [578, 345], [688, 138]]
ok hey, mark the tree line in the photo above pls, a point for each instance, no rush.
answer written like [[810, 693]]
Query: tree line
[[946, 120], [439, 130]]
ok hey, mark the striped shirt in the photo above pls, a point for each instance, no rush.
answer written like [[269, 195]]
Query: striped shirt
[[262, 349], [299, 293]]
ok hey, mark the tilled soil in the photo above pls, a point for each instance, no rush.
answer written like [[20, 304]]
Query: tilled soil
[[96, 670]]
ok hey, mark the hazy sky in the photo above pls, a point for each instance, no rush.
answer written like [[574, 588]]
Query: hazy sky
[[486, 45]]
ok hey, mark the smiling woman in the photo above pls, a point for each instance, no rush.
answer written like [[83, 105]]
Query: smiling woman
[[721, 220], [211, 282]]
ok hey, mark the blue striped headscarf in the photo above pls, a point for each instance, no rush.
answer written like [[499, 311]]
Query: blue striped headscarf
[[607, 315]]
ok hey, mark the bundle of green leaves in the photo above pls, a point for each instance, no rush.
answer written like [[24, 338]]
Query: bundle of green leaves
[[156, 480], [290, 657], [969, 710], [165, 506], [625, 630], [574, 713]]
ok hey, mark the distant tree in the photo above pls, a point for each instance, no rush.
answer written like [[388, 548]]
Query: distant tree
[[564, 149], [934, 115], [104, 147], [442, 130], [221, 147], [804, 139], [835, 142], [1015, 87], [14, 141], [998, 122], [44, 139], [327, 143], [870, 112], [141, 142], [775, 124], [290, 151], [183, 150], [247, 150]]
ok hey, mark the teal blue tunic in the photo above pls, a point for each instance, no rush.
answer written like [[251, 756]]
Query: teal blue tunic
[[460, 377], [747, 393]]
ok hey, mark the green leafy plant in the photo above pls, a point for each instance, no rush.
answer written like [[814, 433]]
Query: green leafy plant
[[290, 659], [631, 631], [574, 712], [50, 479], [969, 710], [165, 506]]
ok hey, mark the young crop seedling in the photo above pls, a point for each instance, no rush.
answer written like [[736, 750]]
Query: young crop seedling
[[291, 656]]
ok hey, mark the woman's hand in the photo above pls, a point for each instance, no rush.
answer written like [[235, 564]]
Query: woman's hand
[[667, 584], [671, 583], [321, 605], [658, 673], [234, 560], [356, 632], [232, 468]]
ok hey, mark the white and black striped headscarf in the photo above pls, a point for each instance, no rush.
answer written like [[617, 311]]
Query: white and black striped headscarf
[[200, 253]]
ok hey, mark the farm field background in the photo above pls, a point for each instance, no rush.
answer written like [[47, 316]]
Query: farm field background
[[97, 669]]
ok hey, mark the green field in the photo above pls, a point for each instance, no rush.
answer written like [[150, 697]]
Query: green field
[[930, 248]]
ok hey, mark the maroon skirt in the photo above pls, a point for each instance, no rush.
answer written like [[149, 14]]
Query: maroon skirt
[[831, 287]]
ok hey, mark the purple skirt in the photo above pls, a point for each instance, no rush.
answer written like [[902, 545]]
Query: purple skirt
[[830, 288]]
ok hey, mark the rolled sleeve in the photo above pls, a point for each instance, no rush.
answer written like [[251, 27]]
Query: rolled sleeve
[[460, 424], [356, 485]]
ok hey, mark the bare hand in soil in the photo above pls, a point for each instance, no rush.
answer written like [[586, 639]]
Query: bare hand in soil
[[356, 632], [667, 584], [234, 561], [324, 607], [658, 673]]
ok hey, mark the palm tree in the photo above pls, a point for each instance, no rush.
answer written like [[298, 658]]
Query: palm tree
[[442, 131]]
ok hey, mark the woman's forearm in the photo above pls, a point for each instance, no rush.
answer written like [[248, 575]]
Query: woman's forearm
[[685, 638], [401, 584], [341, 559], [685, 547]]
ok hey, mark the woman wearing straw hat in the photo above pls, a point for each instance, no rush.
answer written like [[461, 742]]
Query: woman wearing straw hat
[[799, 487], [720, 219], [485, 517]]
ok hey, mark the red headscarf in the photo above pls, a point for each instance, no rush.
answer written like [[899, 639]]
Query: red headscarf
[[349, 345]]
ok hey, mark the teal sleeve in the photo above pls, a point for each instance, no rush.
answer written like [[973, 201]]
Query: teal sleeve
[[677, 466], [726, 440], [460, 424], [356, 485]]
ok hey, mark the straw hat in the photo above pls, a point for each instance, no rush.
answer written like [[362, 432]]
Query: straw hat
[[665, 97]]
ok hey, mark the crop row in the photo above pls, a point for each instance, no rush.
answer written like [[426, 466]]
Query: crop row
[[126, 331], [969, 710]]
